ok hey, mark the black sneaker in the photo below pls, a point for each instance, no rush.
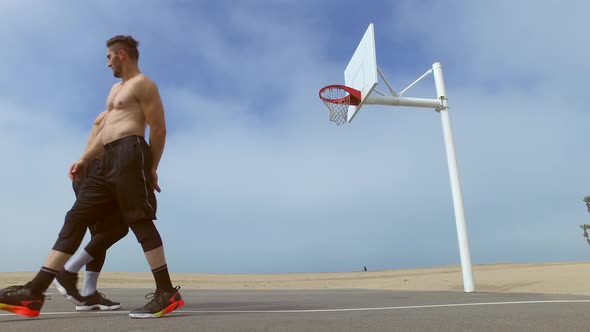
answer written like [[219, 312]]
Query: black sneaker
[[20, 300], [67, 285], [97, 301], [162, 302]]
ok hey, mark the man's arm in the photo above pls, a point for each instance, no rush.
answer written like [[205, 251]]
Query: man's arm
[[96, 128], [153, 110], [93, 148], [92, 151]]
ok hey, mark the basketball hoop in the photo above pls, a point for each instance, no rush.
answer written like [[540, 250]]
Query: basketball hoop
[[337, 98]]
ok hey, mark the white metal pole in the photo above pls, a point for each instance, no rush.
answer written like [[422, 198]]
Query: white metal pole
[[402, 101], [466, 267]]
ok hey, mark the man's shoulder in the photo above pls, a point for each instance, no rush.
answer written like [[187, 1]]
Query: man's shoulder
[[144, 79], [144, 85], [115, 86]]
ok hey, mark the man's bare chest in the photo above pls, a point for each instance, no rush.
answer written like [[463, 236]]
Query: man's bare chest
[[121, 97]]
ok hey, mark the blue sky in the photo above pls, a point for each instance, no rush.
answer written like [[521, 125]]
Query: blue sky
[[255, 179]]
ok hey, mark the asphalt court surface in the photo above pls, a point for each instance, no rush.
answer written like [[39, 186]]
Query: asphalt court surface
[[320, 310]]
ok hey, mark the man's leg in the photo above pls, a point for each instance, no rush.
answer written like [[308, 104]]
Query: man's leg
[[93, 299], [138, 204], [103, 236], [66, 281], [93, 269], [94, 201], [151, 242], [68, 241], [74, 264], [93, 255], [28, 300], [166, 297]]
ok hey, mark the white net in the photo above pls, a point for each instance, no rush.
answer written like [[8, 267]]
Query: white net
[[337, 100]]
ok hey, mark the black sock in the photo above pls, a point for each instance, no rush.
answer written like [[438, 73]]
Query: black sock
[[42, 280], [162, 278]]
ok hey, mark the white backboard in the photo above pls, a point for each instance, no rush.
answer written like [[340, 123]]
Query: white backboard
[[361, 72]]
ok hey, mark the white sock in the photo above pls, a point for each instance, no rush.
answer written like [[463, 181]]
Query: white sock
[[78, 261], [90, 283]]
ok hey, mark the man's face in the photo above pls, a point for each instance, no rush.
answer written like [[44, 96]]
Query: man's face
[[114, 62]]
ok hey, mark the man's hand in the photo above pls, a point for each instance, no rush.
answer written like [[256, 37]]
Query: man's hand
[[155, 180], [77, 169]]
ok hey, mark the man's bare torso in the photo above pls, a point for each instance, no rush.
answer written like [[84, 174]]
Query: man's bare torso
[[125, 115]]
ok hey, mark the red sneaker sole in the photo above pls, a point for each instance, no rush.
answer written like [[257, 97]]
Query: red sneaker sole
[[19, 310], [167, 310], [170, 308]]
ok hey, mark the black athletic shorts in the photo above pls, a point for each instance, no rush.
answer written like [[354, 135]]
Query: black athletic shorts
[[124, 179], [110, 218]]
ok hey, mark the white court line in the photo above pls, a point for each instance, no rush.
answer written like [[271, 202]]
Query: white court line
[[75, 313], [114, 312], [385, 308], [256, 293]]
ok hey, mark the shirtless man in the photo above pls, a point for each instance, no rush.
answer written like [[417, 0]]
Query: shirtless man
[[129, 177], [111, 229]]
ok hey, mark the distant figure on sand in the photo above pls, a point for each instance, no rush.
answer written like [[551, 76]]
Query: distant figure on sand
[[585, 227], [365, 268]]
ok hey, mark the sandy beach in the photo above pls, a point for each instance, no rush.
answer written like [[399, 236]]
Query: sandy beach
[[549, 278]]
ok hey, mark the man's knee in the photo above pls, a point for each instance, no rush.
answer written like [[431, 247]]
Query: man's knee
[[98, 245], [147, 234], [123, 231], [114, 232], [102, 239], [71, 234]]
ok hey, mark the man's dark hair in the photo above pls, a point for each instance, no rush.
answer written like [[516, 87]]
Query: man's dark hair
[[128, 43]]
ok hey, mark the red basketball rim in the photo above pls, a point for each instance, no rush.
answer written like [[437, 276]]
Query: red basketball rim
[[353, 96]]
